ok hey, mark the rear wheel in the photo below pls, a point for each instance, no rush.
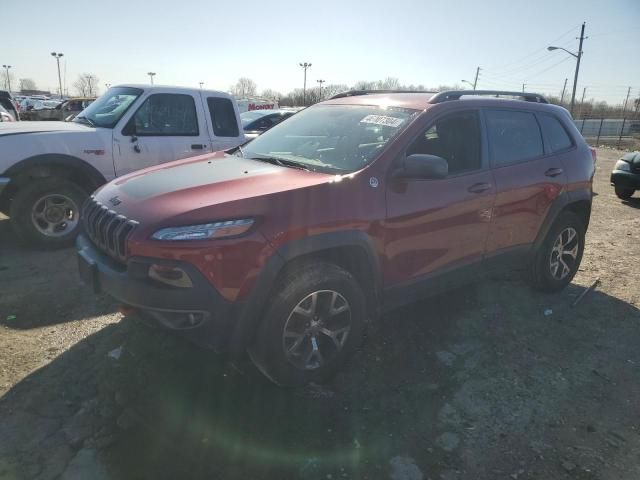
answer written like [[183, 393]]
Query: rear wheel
[[624, 193], [314, 323], [556, 261], [47, 212]]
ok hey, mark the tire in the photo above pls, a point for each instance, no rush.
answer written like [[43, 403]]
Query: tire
[[296, 292], [548, 266], [624, 193], [51, 204]]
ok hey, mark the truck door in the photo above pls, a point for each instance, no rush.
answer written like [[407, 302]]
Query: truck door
[[165, 127], [223, 121]]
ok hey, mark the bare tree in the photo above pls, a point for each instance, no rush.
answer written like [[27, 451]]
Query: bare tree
[[271, 94], [244, 87], [87, 85], [27, 84]]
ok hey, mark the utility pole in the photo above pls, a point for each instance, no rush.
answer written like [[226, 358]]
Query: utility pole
[[475, 82], [564, 87], [320, 82], [151, 75], [57, 56], [575, 77], [304, 65], [523, 85], [624, 108], [6, 68]]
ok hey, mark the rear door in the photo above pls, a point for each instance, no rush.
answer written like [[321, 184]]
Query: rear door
[[223, 120], [163, 128], [528, 178]]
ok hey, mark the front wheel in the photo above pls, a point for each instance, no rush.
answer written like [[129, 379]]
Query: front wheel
[[314, 323], [624, 193], [47, 212], [556, 261]]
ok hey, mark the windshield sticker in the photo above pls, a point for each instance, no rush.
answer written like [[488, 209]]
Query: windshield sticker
[[382, 120]]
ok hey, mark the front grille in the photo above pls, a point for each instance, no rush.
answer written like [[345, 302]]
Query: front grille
[[108, 230]]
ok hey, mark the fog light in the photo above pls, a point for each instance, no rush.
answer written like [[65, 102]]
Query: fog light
[[174, 276]]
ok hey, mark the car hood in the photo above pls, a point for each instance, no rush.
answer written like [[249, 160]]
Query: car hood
[[18, 128], [203, 187]]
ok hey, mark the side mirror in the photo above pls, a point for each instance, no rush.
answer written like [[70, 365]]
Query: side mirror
[[423, 166]]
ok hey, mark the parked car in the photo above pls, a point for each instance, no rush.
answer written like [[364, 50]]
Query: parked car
[[6, 101], [73, 106], [288, 245], [625, 177], [41, 110], [5, 116], [259, 121], [47, 169], [56, 110]]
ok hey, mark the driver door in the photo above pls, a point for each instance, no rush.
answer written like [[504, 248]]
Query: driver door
[[164, 128]]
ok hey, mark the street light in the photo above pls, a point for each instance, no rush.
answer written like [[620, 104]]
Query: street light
[[107, 86], [7, 67], [201, 83], [304, 65], [470, 83], [57, 57], [151, 75], [578, 57], [320, 82]]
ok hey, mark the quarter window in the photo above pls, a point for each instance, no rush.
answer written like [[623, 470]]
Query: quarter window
[[513, 136], [456, 138], [223, 117], [167, 114], [554, 133]]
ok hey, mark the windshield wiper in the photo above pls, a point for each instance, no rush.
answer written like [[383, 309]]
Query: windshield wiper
[[87, 120], [280, 161]]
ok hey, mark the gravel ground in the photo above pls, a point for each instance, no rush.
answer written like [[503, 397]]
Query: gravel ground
[[490, 381]]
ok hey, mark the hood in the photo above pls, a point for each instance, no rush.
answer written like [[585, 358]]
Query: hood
[[199, 186], [19, 128]]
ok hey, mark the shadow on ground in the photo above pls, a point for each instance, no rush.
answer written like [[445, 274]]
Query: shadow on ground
[[473, 384]]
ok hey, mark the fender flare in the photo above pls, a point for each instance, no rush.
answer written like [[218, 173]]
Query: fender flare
[[53, 160], [248, 316], [559, 204]]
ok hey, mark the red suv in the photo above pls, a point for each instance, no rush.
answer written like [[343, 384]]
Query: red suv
[[287, 246]]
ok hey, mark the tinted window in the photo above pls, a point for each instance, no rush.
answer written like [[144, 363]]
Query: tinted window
[[513, 136], [554, 133], [167, 114], [456, 138], [223, 117]]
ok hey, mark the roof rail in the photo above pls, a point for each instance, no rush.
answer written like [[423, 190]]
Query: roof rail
[[355, 93], [456, 94]]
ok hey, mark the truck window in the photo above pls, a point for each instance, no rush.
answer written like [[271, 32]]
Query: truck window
[[166, 114], [223, 117]]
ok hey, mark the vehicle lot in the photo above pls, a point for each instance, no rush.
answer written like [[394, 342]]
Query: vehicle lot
[[479, 383]]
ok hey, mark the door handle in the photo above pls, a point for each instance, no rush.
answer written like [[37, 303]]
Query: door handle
[[479, 187], [553, 172], [197, 146]]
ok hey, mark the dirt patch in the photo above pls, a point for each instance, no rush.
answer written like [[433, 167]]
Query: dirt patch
[[488, 381]]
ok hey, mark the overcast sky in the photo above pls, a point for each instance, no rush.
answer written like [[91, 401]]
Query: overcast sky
[[420, 42]]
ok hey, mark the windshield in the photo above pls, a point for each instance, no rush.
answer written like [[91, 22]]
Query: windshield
[[332, 138], [110, 107], [247, 117]]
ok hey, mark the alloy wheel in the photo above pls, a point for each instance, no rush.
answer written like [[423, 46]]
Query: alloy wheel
[[55, 215], [564, 254]]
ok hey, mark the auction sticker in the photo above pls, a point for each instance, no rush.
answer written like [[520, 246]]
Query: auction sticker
[[382, 120]]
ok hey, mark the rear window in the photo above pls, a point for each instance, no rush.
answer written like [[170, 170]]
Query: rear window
[[223, 117], [513, 136], [554, 133]]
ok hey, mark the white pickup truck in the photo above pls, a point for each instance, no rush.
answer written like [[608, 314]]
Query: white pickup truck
[[47, 169]]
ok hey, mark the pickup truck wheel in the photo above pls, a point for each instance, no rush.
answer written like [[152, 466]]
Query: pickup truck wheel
[[624, 193], [556, 261], [314, 323], [47, 212]]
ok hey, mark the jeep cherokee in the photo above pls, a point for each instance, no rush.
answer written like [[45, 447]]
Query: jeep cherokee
[[287, 246]]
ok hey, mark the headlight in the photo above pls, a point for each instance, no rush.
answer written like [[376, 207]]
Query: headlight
[[622, 165], [229, 228]]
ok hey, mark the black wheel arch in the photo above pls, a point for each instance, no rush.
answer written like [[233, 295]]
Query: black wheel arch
[[353, 250]]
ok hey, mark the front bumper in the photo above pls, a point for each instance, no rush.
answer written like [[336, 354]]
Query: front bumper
[[199, 312], [625, 179]]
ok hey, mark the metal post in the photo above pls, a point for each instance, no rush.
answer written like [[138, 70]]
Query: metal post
[[599, 132], [475, 82], [304, 65], [563, 90], [320, 82], [523, 85], [8, 82], [575, 77], [624, 120], [624, 117]]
